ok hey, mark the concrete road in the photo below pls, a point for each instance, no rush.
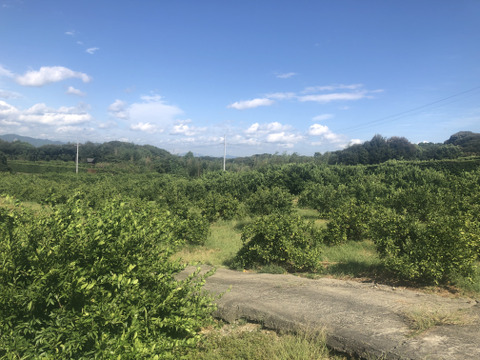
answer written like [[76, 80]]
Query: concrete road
[[361, 319]]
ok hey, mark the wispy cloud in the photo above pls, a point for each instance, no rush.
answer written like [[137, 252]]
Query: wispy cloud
[[151, 114], [311, 89], [273, 132], [5, 72], [118, 109], [48, 75], [5, 94], [320, 94], [70, 33], [322, 117], [146, 127], [326, 98], [355, 142], [73, 91], [286, 75], [250, 104], [281, 95], [183, 128], [92, 50]]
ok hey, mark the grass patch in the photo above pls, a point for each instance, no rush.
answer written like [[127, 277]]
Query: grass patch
[[272, 269], [353, 259], [36, 208], [221, 246], [251, 342], [312, 214], [422, 319]]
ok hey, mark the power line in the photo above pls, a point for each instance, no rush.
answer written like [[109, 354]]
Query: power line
[[411, 111]]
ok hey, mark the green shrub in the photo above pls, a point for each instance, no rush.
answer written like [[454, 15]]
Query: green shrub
[[323, 198], [265, 201], [79, 283], [192, 227], [280, 239], [217, 206], [432, 251], [348, 222]]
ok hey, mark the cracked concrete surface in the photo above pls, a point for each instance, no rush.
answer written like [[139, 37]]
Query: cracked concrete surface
[[359, 318]]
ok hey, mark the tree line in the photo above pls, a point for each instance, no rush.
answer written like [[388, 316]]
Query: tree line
[[150, 158]]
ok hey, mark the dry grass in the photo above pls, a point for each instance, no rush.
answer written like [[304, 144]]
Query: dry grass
[[421, 319]]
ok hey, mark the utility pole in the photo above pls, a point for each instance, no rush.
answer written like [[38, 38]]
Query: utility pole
[[76, 162], [224, 150]]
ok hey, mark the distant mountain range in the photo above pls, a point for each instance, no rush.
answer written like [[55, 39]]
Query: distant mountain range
[[30, 140]]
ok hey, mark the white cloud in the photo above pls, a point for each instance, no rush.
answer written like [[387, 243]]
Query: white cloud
[[71, 90], [7, 111], [284, 138], [318, 130], [151, 114], [70, 33], [118, 109], [241, 140], [92, 50], [69, 129], [325, 133], [322, 117], [253, 128], [249, 104], [311, 89], [286, 75], [355, 142], [41, 114], [50, 74], [5, 94], [326, 98], [155, 98], [275, 126], [154, 110], [9, 123], [107, 125], [5, 72], [274, 132], [281, 95], [182, 128], [146, 127]]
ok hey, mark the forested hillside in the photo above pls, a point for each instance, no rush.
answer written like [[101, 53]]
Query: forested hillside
[[150, 158], [380, 149]]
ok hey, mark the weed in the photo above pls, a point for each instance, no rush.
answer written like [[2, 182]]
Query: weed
[[422, 319], [251, 342]]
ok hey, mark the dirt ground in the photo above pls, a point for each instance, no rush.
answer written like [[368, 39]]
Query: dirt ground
[[362, 319]]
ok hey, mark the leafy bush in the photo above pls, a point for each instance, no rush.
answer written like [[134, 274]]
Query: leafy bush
[[192, 226], [433, 251], [348, 222], [217, 206], [323, 198], [280, 239], [79, 283], [265, 201]]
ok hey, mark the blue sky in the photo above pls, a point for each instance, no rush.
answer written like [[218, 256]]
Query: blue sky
[[270, 75]]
